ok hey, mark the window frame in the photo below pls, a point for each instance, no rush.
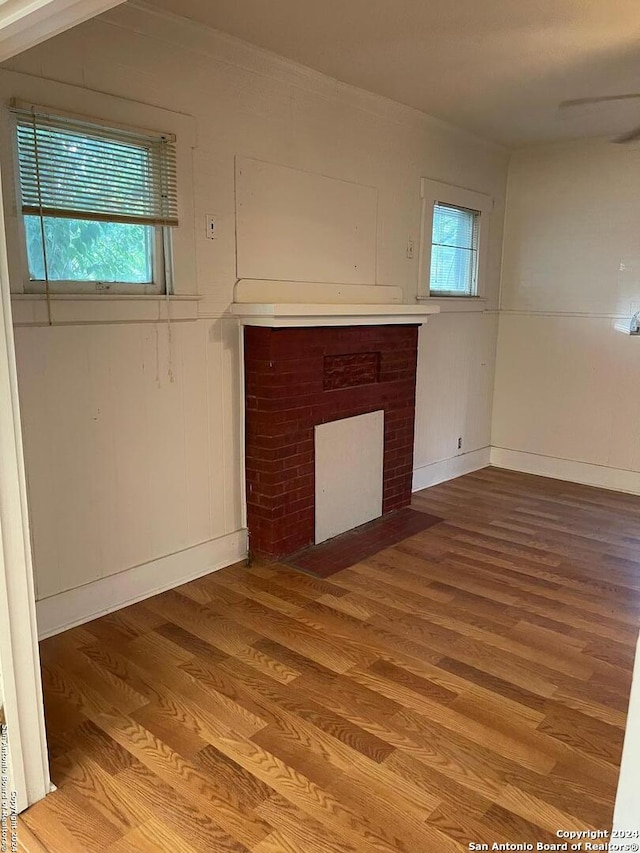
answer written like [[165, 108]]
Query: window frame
[[24, 91], [162, 265], [432, 192], [471, 280]]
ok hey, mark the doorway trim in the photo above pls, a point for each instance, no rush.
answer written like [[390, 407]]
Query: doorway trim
[[19, 655]]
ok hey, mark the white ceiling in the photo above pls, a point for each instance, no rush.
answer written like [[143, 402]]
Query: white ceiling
[[496, 67]]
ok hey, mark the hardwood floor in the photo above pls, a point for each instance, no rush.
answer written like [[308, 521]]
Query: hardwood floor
[[467, 685]]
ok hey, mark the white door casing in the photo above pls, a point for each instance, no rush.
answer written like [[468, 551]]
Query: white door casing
[[25, 23], [19, 657]]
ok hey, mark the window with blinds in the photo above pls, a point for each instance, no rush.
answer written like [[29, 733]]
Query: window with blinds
[[97, 203], [454, 251]]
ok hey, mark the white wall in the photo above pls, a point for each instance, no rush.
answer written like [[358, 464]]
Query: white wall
[[123, 465], [567, 381], [456, 365]]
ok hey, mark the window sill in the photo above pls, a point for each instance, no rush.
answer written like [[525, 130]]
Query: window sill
[[455, 303], [30, 309]]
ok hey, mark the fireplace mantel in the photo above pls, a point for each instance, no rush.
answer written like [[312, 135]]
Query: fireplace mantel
[[284, 315], [283, 304]]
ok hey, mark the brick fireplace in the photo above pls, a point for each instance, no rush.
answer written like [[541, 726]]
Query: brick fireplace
[[298, 378]]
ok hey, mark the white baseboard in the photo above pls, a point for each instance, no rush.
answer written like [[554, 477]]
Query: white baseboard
[[75, 606], [447, 469], [627, 809], [586, 473], [617, 479]]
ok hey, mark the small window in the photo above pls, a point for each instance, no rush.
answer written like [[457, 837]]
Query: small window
[[454, 251], [97, 205]]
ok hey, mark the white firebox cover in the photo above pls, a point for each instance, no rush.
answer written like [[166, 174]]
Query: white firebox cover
[[349, 465]]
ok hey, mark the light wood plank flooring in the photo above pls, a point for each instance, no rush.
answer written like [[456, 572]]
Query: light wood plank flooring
[[467, 685]]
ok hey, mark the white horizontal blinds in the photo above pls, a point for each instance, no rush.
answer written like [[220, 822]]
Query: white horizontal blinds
[[454, 251], [79, 170]]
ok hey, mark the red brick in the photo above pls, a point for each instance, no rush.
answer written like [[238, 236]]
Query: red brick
[[285, 381]]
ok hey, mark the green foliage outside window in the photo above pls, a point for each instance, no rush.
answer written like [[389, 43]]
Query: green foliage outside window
[[85, 250]]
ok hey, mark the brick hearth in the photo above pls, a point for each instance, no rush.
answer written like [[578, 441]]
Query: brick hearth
[[298, 378]]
